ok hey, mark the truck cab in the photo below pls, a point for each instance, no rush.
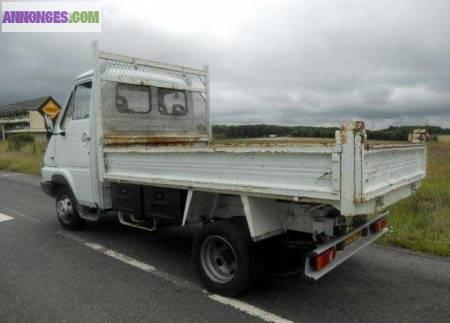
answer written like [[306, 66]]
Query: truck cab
[[69, 148]]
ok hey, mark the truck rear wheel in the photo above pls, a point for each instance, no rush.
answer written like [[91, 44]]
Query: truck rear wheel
[[67, 211], [222, 256]]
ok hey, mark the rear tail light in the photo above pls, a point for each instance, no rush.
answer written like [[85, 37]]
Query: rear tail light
[[378, 226], [322, 260]]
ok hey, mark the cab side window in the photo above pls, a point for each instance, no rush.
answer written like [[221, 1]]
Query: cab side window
[[82, 104], [79, 104]]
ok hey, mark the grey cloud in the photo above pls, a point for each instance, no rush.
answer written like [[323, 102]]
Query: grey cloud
[[291, 62]]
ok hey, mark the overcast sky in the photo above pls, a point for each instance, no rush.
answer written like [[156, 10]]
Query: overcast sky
[[281, 62]]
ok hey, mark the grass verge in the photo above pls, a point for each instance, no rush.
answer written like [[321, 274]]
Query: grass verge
[[26, 160], [422, 222]]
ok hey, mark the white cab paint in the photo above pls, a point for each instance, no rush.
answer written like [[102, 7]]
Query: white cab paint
[[72, 152]]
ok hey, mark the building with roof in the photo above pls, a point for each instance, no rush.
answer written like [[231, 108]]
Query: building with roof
[[27, 116]]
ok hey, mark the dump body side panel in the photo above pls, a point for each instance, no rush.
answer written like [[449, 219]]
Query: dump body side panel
[[388, 168], [290, 173]]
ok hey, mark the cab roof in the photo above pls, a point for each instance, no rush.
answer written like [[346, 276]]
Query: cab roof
[[84, 75]]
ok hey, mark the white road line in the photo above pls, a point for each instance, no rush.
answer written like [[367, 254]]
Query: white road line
[[4, 217], [141, 265], [248, 308], [234, 303], [15, 212]]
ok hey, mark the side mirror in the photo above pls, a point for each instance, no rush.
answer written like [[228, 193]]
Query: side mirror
[[49, 126]]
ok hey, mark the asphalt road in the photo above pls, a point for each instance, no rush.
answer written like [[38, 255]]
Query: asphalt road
[[111, 273]]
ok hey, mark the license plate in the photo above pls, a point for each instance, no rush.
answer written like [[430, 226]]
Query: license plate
[[354, 237]]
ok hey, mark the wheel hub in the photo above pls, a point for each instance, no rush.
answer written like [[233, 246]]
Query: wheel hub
[[64, 209], [218, 259]]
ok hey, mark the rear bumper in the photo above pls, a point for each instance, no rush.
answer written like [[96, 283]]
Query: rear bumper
[[342, 255]]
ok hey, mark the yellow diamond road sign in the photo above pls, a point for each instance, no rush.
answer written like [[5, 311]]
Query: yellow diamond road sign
[[51, 109]]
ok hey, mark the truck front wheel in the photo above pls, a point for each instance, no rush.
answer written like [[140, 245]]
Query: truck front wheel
[[67, 211], [222, 256]]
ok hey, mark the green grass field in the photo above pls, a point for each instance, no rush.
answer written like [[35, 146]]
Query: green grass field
[[27, 160], [420, 223], [444, 138]]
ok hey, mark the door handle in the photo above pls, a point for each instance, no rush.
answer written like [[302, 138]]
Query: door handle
[[85, 137]]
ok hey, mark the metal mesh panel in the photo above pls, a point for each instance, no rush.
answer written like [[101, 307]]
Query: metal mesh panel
[[133, 112], [131, 98], [139, 100], [141, 74]]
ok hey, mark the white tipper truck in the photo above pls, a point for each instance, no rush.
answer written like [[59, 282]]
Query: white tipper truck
[[134, 140]]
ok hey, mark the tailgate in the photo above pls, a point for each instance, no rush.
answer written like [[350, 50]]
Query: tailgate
[[386, 168]]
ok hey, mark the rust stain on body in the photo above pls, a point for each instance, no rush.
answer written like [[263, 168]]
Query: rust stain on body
[[154, 140]]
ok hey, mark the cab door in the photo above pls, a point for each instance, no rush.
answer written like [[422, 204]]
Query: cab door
[[73, 144]]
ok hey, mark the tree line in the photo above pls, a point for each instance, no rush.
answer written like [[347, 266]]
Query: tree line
[[268, 130]]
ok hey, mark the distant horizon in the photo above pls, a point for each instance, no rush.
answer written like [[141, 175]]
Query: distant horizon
[[369, 123], [328, 126]]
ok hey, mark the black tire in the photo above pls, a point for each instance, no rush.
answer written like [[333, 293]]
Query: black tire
[[235, 233], [71, 220]]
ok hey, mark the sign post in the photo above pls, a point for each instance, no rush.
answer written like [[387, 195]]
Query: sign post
[[49, 110]]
